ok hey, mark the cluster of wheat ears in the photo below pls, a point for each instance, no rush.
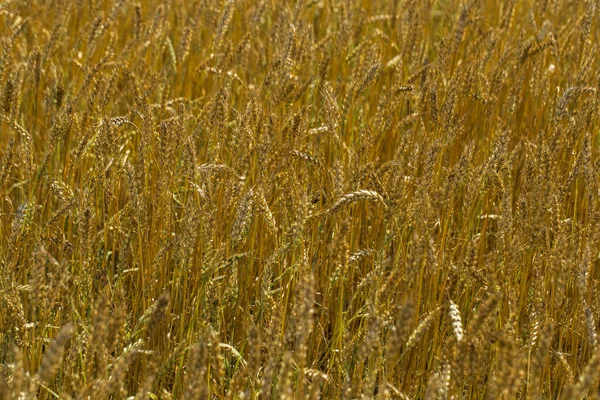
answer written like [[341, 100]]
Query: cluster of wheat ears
[[299, 199]]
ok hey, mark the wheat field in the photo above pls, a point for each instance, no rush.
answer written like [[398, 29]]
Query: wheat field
[[244, 199]]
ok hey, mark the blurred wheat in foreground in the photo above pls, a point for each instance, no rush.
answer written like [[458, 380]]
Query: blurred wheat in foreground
[[244, 199]]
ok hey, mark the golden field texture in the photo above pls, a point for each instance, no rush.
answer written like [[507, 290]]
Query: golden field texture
[[312, 199]]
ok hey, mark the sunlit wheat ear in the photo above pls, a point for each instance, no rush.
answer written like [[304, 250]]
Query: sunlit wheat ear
[[360, 195], [457, 325]]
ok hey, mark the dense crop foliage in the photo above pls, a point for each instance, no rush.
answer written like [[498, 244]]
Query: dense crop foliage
[[310, 199]]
